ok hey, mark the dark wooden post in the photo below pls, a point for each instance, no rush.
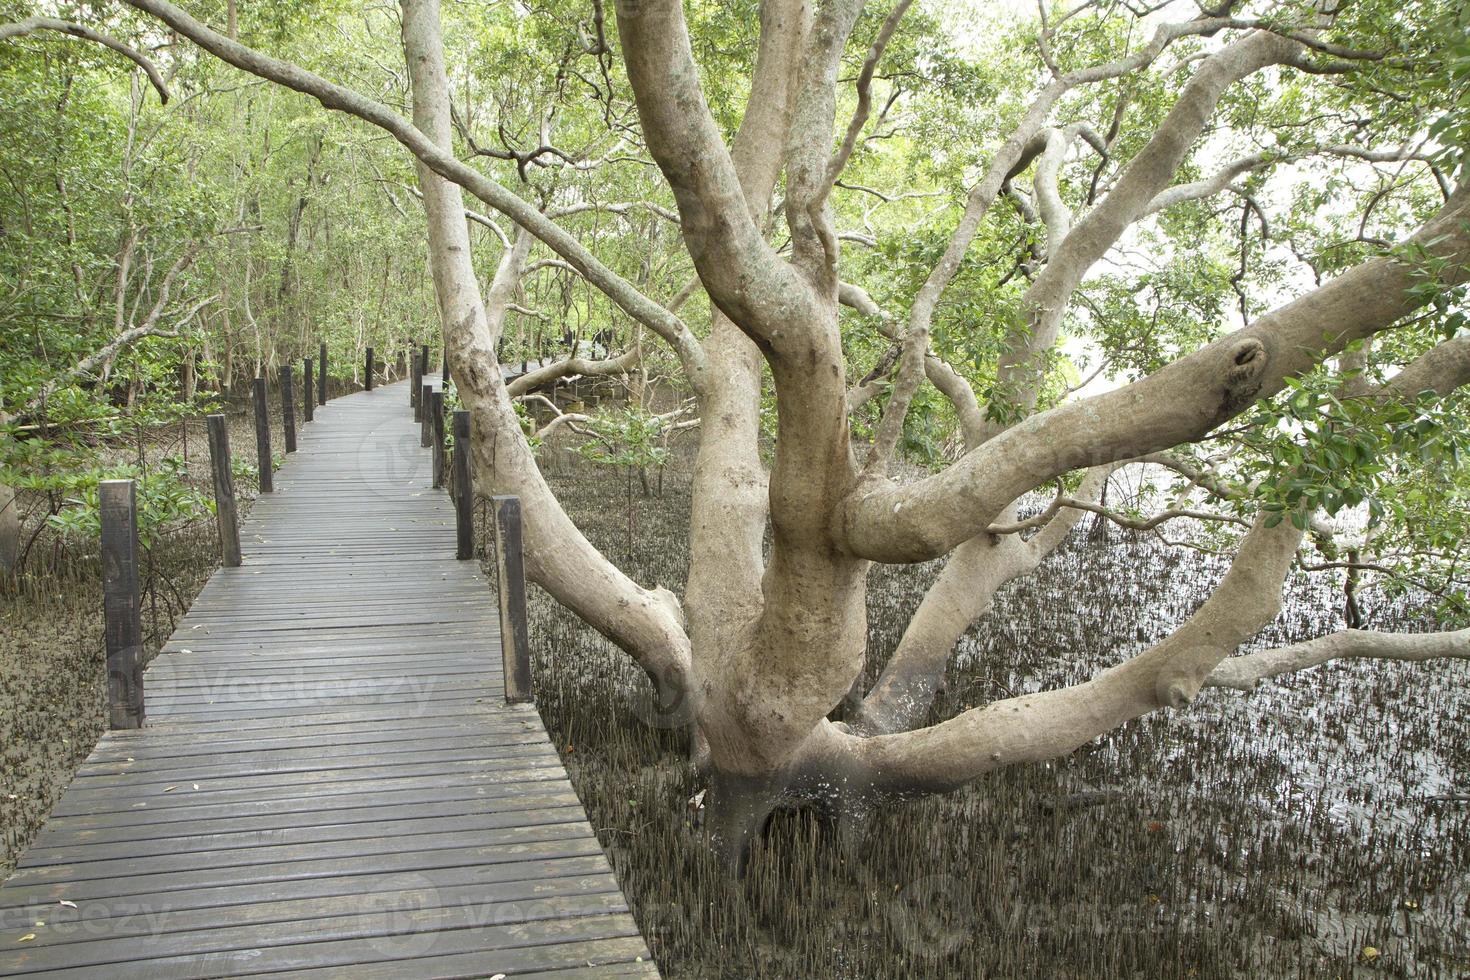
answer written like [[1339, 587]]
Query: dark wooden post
[[510, 582], [122, 603], [288, 409], [464, 489], [444, 371], [308, 398], [369, 373], [426, 393], [321, 388], [224, 490], [416, 382], [263, 436], [423, 360], [436, 409]]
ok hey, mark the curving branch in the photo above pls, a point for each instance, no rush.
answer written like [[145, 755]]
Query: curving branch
[[572, 367], [1048, 724], [32, 24], [1243, 673], [1179, 403], [864, 91], [1013, 156]]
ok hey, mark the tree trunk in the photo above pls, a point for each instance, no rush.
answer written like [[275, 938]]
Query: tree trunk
[[646, 623], [9, 530]]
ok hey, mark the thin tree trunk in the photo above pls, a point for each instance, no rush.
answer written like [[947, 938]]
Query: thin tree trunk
[[9, 530]]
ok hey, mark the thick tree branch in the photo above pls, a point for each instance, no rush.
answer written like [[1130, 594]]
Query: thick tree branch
[[32, 24], [1045, 725], [1177, 404], [1244, 672]]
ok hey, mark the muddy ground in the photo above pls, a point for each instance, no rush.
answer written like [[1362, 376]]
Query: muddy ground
[[1318, 827], [52, 696]]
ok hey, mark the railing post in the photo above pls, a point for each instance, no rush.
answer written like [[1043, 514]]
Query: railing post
[[426, 392], [369, 373], [416, 382], [321, 388], [308, 398], [288, 409], [263, 435], [510, 583], [224, 491], [436, 408], [122, 603], [464, 489], [444, 372]]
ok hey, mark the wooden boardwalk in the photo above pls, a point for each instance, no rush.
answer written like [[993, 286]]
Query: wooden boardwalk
[[330, 782]]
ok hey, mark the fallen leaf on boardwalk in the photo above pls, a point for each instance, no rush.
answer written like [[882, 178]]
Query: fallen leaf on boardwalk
[[498, 976], [65, 903], [196, 785], [26, 938], [1370, 953], [169, 789]]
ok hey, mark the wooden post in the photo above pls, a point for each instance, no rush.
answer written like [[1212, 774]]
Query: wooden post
[[464, 489], [423, 360], [224, 490], [510, 582], [426, 393], [416, 382], [288, 409], [436, 409], [122, 603], [369, 373], [398, 368], [444, 371], [263, 436], [321, 388], [308, 398]]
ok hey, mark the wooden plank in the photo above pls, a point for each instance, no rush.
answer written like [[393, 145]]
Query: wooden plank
[[71, 942], [568, 875]]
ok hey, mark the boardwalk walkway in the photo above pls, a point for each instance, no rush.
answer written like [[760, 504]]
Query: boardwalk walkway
[[330, 782]]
